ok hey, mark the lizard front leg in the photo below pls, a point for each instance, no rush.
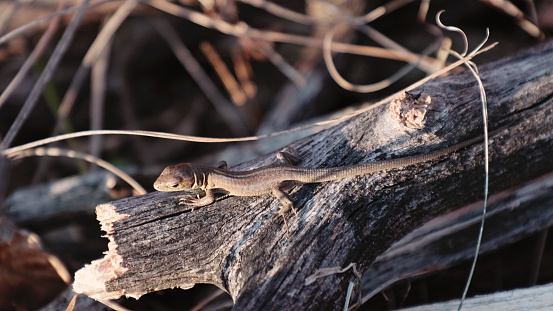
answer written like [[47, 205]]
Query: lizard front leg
[[207, 199]]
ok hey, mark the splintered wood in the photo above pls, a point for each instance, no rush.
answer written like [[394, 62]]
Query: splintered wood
[[409, 110]]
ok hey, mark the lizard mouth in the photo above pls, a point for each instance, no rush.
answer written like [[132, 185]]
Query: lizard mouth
[[168, 187]]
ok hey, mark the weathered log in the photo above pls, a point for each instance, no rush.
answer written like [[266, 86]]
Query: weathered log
[[528, 299], [71, 195], [512, 214], [240, 246], [81, 303]]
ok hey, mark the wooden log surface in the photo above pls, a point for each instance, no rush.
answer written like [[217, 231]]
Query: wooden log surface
[[512, 214], [238, 245], [81, 303], [69, 195], [528, 299]]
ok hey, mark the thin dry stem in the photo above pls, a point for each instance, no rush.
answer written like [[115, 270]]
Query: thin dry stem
[[454, 29], [98, 81], [8, 14], [280, 11], [241, 29], [45, 77], [20, 30], [223, 107], [31, 59], [225, 76], [244, 73], [423, 10], [287, 70], [90, 58], [205, 301], [381, 11], [443, 52], [510, 9]]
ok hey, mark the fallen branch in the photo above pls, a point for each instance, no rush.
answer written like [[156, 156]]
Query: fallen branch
[[238, 245]]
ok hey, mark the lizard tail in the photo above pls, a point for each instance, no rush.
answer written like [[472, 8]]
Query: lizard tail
[[334, 173]]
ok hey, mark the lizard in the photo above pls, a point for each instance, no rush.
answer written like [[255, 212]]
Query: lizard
[[276, 179]]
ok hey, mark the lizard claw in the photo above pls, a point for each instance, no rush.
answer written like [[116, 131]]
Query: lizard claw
[[195, 200], [282, 213], [189, 200]]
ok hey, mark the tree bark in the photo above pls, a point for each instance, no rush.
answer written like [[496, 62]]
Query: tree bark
[[240, 246]]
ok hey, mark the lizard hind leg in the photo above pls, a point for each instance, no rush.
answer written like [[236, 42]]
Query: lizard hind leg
[[286, 205], [288, 155]]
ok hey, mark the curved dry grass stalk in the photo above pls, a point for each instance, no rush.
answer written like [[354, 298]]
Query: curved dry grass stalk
[[60, 152], [368, 88], [454, 29], [321, 124], [359, 23], [62, 137], [232, 118], [474, 70]]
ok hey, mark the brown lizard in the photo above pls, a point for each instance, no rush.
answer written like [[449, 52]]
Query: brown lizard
[[276, 178]]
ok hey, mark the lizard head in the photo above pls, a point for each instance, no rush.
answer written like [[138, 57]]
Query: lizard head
[[176, 178]]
